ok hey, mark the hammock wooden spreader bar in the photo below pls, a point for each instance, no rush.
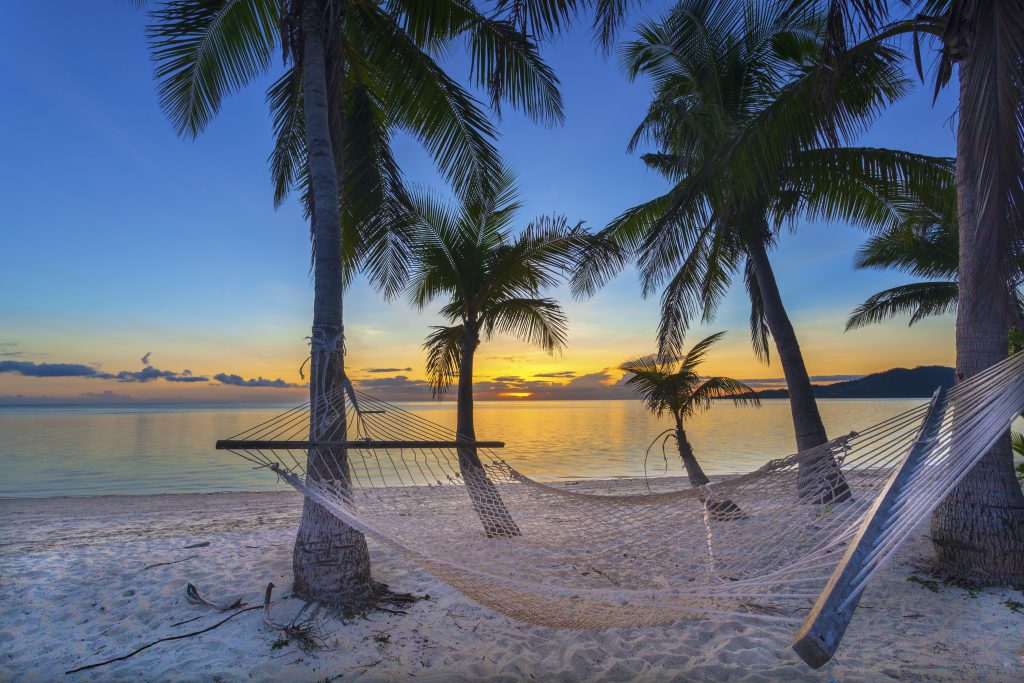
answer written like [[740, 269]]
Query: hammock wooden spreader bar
[[360, 444], [820, 635]]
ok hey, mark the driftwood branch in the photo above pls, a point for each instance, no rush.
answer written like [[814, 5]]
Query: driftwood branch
[[161, 640]]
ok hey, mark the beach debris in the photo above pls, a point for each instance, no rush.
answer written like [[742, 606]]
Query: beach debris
[[194, 596], [163, 564], [202, 544], [305, 628]]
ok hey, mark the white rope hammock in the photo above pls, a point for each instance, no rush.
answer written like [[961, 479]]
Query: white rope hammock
[[562, 558]]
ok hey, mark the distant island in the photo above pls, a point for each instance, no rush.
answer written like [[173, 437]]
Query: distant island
[[919, 382]]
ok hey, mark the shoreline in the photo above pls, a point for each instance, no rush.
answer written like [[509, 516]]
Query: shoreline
[[86, 578]]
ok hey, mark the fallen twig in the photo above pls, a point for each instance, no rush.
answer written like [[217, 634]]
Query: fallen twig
[[161, 564], [198, 545], [182, 623], [161, 640]]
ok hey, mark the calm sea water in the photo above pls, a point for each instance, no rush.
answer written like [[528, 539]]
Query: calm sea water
[[169, 449]]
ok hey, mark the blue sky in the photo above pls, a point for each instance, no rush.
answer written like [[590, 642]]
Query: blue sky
[[120, 238]]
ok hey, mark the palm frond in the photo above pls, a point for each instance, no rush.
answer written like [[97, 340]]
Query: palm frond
[[443, 355], [539, 18], [206, 49], [537, 321], [759, 331], [715, 388], [919, 300], [698, 352], [426, 102], [869, 187]]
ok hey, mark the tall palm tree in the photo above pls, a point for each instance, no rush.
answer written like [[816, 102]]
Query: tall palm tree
[[353, 72], [674, 386], [978, 529], [731, 79], [491, 282]]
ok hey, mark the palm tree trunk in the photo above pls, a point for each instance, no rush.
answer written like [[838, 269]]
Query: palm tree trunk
[[978, 530], [330, 561], [818, 481], [718, 507], [486, 499]]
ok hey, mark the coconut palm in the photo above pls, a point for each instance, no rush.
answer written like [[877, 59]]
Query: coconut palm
[[978, 529], [674, 385], [491, 282], [729, 79], [353, 72]]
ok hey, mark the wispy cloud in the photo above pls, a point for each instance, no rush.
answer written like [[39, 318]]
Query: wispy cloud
[[563, 374], [386, 370], [239, 381]]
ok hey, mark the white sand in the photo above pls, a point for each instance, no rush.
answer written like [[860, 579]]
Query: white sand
[[73, 591]]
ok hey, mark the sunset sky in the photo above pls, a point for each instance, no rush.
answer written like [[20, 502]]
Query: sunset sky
[[141, 266]]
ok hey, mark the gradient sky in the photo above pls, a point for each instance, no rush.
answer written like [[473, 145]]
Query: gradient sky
[[120, 239]]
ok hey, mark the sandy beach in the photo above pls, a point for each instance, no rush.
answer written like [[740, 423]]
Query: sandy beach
[[79, 586]]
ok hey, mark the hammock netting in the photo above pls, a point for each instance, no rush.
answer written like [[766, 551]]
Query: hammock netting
[[763, 544]]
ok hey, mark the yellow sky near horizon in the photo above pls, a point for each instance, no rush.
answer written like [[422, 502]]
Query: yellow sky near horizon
[[391, 340]]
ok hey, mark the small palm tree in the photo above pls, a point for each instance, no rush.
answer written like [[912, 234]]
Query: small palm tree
[[491, 282], [674, 386]]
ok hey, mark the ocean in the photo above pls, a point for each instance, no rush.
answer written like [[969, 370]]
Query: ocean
[[135, 449]]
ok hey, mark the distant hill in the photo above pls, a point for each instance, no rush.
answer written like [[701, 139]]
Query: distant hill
[[896, 383]]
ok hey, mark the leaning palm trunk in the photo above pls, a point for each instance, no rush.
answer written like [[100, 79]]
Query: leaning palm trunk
[[818, 481], [331, 562], [978, 530], [718, 507], [487, 501]]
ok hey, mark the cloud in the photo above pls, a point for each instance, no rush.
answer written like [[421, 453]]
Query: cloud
[[397, 388], [239, 381], [386, 370], [145, 359], [4, 344], [11, 354], [30, 369], [595, 385], [564, 374], [147, 374]]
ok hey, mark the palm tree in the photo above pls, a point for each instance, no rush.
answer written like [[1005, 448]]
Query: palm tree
[[978, 529], [674, 386], [491, 282], [732, 79], [925, 244], [353, 72]]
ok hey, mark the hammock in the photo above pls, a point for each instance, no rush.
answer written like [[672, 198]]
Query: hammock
[[556, 557]]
